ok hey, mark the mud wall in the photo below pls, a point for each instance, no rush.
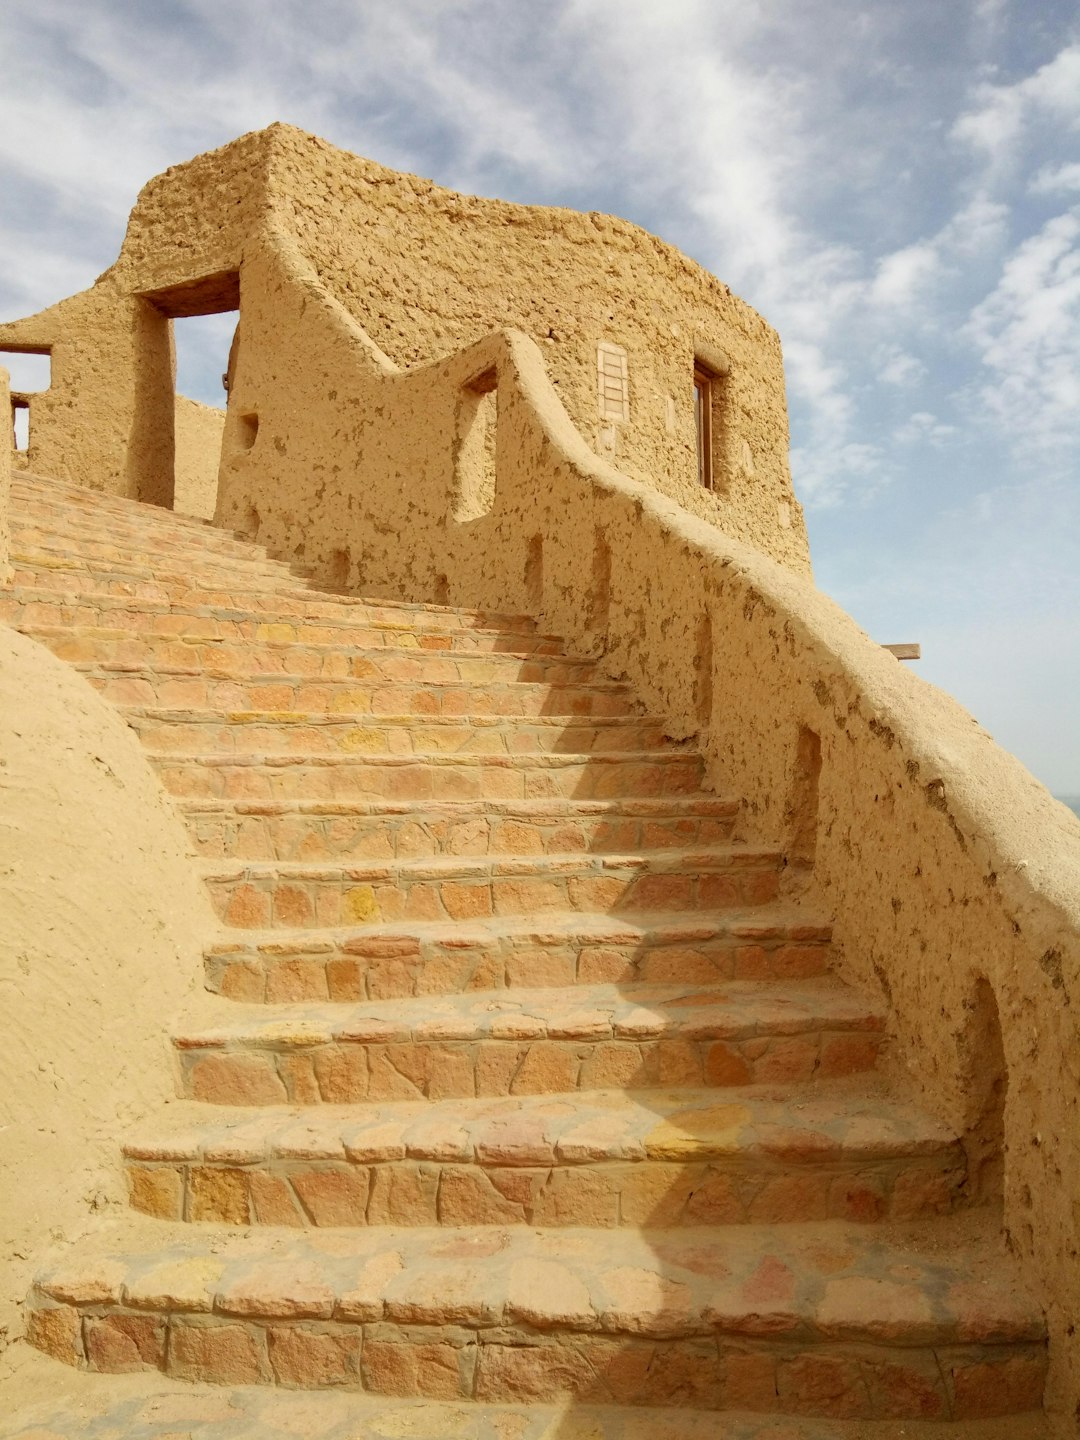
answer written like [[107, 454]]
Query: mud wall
[[425, 272], [6, 450], [949, 871], [104, 923], [198, 431]]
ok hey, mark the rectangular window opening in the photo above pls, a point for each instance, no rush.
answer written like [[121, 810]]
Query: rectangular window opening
[[20, 419], [476, 448], [704, 382], [30, 370], [613, 380]]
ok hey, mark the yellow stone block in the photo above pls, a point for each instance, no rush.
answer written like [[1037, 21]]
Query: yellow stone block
[[359, 905], [364, 740], [283, 634], [689, 1132]]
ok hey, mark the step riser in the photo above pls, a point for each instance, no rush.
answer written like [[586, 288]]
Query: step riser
[[405, 837], [375, 656], [113, 592], [343, 900], [399, 969], [471, 1360], [510, 701], [593, 779], [608, 1195], [47, 508], [312, 735], [350, 1072], [32, 532], [206, 589], [179, 559], [109, 630]]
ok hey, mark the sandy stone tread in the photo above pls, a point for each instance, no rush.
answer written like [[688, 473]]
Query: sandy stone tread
[[111, 610], [433, 776], [605, 1159], [394, 961], [149, 1406], [270, 893], [164, 730], [313, 830]]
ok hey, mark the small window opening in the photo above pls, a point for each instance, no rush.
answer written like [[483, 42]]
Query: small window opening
[[475, 448], [247, 430], [703, 424], [202, 342], [613, 380], [30, 370], [20, 420]]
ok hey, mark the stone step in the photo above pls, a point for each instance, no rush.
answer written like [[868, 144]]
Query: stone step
[[196, 731], [304, 618], [605, 1159], [119, 547], [652, 774], [834, 1321], [358, 830], [37, 497], [30, 524], [529, 1042], [226, 578], [61, 1403], [373, 656], [286, 598], [256, 894], [395, 962], [201, 689]]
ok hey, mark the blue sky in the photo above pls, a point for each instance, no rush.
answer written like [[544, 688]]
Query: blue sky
[[895, 186]]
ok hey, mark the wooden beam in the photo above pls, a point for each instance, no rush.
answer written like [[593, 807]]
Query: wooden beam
[[910, 650]]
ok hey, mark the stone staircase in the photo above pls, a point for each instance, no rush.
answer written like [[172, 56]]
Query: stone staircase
[[521, 1102]]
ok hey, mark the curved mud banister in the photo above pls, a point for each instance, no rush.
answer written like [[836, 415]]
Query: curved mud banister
[[947, 867]]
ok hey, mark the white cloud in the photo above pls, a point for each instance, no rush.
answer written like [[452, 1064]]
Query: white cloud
[[1026, 333], [999, 115], [1056, 179], [905, 275], [898, 367], [923, 428]]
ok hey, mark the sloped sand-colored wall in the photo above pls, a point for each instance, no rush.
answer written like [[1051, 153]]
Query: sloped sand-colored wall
[[198, 453], [104, 919], [950, 873], [425, 272]]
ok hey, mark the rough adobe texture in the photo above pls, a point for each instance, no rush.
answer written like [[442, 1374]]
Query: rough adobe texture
[[425, 271], [198, 453], [448, 1193], [103, 926], [5, 476], [949, 872]]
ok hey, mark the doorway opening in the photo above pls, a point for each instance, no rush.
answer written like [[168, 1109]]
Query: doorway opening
[[31, 373], [202, 344], [200, 317]]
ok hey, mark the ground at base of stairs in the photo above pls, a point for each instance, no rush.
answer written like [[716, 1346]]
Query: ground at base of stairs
[[40, 1401]]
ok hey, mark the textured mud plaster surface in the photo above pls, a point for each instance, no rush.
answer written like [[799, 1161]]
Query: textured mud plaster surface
[[949, 871], [5, 474], [198, 452], [950, 874], [101, 939], [425, 272]]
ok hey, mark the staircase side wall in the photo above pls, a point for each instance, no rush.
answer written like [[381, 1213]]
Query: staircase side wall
[[946, 866], [198, 433], [425, 272], [6, 447], [104, 919]]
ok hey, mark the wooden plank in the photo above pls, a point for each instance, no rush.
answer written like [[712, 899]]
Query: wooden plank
[[909, 650]]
